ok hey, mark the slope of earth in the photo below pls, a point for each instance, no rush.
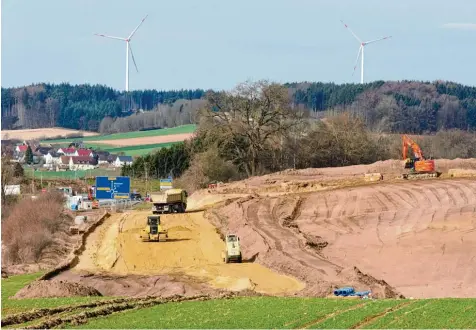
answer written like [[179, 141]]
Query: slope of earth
[[38, 133], [116, 261], [63, 243], [417, 236], [313, 179]]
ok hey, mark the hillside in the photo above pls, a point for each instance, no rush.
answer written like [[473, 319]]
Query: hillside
[[396, 107], [80, 106]]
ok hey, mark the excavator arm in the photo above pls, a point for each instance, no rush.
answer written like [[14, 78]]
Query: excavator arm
[[407, 142]]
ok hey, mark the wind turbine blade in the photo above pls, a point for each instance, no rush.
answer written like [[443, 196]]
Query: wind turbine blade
[[137, 27], [105, 36], [355, 36], [133, 59], [357, 59], [369, 42]]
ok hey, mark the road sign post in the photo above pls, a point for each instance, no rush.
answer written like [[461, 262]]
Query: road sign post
[[166, 183]]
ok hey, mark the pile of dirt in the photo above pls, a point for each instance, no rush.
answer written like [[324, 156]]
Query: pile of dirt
[[137, 285], [53, 289]]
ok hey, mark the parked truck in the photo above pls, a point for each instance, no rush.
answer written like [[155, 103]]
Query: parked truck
[[169, 201]]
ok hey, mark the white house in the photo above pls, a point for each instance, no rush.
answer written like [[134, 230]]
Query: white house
[[51, 159], [68, 151], [82, 163], [123, 160]]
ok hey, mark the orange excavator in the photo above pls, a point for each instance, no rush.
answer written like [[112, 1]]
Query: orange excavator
[[418, 165], [92, 198]]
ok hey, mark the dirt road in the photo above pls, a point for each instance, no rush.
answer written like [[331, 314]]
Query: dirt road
[[419, 237], [193, 250]]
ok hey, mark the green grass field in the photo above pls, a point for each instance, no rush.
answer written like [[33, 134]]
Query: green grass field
[[261, 312], [71, 175], [137, 150], [11, 285], [129, 135]]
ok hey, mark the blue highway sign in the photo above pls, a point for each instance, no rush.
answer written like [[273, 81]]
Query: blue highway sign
[[117, 187]]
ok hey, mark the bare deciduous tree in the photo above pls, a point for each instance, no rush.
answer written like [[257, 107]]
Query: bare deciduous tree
[[252, 118], [7, 175]]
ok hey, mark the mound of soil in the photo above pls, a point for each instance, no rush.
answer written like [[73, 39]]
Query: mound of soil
[[52, 289]]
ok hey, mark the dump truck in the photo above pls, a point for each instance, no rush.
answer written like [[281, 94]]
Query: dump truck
[[169, 201], [232, 250], [153, 230]]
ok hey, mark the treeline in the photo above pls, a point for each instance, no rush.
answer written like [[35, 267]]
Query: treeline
[[181, 112], [165, 162], [392, 107], [256, 129], [79, 106]]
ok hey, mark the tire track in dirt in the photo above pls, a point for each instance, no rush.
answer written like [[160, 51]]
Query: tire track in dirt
[[85, 316], [375, 317], [290, 243], [258, 216], [328, 316], [435, 206]]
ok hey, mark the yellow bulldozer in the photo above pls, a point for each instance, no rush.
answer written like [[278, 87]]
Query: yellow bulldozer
[[153, 230]]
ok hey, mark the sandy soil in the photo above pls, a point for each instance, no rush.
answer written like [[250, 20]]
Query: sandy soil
[[191, 256], [30, 134], [146, 140], [417, 236]]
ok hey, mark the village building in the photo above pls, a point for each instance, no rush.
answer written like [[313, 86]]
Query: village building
[[122, 160], [82, 163]]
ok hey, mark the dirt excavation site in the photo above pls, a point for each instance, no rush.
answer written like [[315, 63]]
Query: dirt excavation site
[[302, 233]]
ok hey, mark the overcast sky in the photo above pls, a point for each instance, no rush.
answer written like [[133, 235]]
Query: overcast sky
[[219, 43]]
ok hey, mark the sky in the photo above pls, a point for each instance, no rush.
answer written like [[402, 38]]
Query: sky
[[218, 44]]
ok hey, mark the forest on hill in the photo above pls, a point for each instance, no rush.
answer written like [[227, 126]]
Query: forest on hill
[[79, 106], [257, 129], [390, 107]]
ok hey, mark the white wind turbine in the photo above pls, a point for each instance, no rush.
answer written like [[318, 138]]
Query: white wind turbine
[[361, 51], [128, 49]]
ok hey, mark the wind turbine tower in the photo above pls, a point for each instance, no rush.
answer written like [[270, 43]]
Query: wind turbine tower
[[128, 49], [361, 51]]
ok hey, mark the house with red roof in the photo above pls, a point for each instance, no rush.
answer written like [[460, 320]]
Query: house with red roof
[[21, 148], [85, 153]]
